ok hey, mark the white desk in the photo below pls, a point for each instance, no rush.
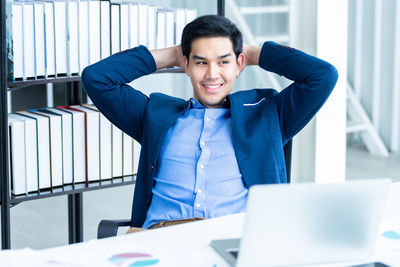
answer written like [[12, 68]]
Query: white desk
[[180, 245]]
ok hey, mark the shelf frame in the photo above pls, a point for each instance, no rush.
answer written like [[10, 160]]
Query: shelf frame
[[5, 193], [74, 189], [75, 197]]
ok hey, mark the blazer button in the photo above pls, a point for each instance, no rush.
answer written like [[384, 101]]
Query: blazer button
[[151, 167]]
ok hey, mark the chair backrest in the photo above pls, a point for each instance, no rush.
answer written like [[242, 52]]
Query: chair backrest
[[287, 150]]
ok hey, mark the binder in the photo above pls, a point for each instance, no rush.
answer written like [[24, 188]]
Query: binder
[[170, 28], [43, 146], [60, 30], [31, 151], [92, 141], [15, 44], [116, 151], [105, 145], [142, 11], [55, 142], [17, 156], [151, 27], [191, 14], [73, 37], [94, 31], [115, 28], [83, 34], [50, 48], [29, 40], [79, 153], [66, 136], [124, 26], [133, 25], [180, 22], [161, 29], [136, 156], [127, 152], [105, 28], [40, 56]]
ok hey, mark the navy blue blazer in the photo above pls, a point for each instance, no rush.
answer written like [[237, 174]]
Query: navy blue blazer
[[263, 120]]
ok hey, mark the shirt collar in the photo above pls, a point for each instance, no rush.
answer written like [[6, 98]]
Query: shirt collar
[[194, 104]]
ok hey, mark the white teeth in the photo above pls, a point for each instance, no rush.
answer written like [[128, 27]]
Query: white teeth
[[213, 86]]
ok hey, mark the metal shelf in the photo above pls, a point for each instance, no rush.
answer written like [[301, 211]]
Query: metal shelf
[[74, 189], [75, 207], [18, 84], [31, 82]]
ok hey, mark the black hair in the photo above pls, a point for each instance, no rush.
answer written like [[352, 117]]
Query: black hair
[[211, 26]]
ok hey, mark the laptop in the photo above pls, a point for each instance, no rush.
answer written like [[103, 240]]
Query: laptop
[[298, 224]]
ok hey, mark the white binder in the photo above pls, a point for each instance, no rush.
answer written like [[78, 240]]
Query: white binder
[[83, 34], [94, 31], [124, 26], [151, 27], [92, 143], [180, 22], [17, 40], [78, 129], [55, 146], [161, 29], [66, 136], [17, 156], [133, 25], [60, 31], [115, 28], [40, 53], [50, 39], [31, 151], [43, 137], [105, 28], [105, 145], [73, 37], [29, 40], [142, 11]]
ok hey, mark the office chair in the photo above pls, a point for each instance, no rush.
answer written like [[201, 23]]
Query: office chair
[[108, 228]]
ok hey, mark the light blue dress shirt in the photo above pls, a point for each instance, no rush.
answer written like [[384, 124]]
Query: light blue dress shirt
[[197, 174]]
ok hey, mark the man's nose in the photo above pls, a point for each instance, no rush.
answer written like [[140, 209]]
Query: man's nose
[[213, 71]]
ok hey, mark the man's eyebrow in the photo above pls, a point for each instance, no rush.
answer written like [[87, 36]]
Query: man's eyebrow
[[203, 58], [224, 56]]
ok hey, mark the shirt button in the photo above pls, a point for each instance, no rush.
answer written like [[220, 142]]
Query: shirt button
[[199, 191], [203, 143], [201, 166], [198, 205], [208, 119]]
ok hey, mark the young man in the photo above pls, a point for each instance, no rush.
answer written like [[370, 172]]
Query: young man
[[200, 156]]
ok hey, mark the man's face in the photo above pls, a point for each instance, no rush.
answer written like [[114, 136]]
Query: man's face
[[213, 69]]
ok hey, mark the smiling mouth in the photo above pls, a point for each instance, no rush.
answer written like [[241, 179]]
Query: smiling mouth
[[212, 87]]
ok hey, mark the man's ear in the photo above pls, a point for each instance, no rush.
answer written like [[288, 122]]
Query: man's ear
[[186, 65], [241, 63]]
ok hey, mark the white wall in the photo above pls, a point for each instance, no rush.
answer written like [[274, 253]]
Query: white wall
[[320, 28]]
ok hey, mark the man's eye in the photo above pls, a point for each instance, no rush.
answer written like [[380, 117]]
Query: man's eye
[[224, 62], [201, 63]]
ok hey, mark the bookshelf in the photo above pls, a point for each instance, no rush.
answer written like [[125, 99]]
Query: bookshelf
[[74, 192]]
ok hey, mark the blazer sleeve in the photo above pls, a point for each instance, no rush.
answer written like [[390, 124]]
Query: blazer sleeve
[[106, 84], [313, 81]]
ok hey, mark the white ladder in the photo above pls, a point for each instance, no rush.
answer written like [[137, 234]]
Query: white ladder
[[358, 121], [240, 14]]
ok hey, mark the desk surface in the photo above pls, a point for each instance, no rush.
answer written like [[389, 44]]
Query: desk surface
[[180, 245]]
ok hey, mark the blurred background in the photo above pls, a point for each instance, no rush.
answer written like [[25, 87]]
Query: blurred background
[[355, 136]]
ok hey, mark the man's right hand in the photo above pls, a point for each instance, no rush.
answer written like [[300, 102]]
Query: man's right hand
[[168, 57]]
